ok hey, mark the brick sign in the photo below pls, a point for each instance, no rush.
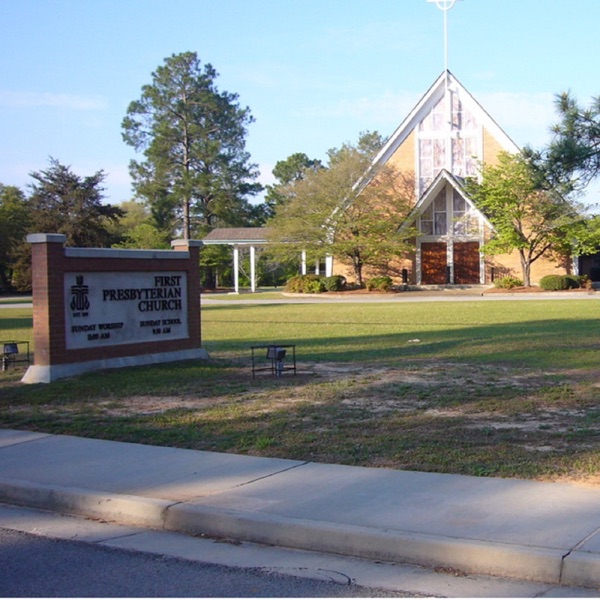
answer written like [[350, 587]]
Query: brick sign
[[110, 308]]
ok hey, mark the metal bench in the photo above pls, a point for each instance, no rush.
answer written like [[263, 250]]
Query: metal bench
[[277, 357]]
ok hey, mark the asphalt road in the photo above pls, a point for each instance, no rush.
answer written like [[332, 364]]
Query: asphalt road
[[45, 554], [33, 566]]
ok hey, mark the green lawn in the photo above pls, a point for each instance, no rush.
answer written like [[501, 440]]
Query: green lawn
[[533, 333], [504, 388]]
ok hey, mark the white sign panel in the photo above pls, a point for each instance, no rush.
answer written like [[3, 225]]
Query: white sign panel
[[107, 309]]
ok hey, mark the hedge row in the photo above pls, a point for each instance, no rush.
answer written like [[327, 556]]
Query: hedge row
[[507, 283], [549, 282], [380, 284], [561, 282], [315, 284]]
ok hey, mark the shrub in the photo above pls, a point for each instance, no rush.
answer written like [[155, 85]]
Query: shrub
[[574, 282], [294, 284], [335, 283], [381, 284], [314, 285], [507, 282], [560, 282], [305, 284], [554, 283]]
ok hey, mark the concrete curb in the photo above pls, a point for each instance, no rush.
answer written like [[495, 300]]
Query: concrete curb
[[537, 564], [120, 508], [581, 569], [547, 565]]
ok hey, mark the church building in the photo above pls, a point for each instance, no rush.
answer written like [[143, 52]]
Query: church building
[[444, 139]]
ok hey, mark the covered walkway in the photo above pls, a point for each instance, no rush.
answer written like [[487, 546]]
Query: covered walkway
[[253, 238]]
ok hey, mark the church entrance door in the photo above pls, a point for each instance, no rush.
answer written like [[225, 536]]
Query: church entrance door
[[433, 263], [466, 263]]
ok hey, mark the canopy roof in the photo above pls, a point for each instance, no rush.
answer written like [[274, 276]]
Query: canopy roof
[[237, 236]]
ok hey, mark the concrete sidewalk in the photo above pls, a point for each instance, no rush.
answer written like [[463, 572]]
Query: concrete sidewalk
[[512, 528]]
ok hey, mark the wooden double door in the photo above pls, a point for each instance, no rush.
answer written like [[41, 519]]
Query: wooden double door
[[434, 263]]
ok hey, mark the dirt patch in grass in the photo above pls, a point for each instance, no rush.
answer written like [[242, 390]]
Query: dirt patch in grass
[[438, 416]]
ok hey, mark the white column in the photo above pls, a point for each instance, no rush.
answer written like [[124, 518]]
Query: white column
[[481, 265], [318, 267], [252, 268], [236, 269], [450, 258], [329, 266], [303, 263]]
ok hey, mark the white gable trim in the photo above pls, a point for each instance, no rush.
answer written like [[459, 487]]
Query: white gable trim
[[427, 102], [439, 183]]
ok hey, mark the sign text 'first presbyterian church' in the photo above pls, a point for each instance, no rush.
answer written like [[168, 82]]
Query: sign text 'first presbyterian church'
[[121, 308]]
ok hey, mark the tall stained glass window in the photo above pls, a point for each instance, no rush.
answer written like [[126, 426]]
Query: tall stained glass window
[[464, 218], [434, 219], [448, 141]]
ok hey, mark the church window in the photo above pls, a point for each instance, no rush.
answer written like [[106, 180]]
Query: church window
[[464, 217], [432, 155], [434, 217], [434, 121], [439, 214], [464, 156], [447, 141], [427, 221], [462, 118]]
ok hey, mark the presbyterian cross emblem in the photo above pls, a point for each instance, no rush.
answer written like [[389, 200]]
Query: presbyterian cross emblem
[[79, 295]]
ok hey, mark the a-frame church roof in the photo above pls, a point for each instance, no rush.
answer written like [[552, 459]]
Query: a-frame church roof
[[443, 177], [433, 95]]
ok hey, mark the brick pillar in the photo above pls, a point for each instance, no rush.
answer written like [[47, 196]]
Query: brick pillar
[[193, 247], [47, 268]]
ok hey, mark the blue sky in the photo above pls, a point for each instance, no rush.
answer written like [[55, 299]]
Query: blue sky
[[314, 73]]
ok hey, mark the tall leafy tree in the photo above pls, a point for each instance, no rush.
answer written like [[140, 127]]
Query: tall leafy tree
[[526, 216], [61, 201], [293, 168], [196, 173], [14, 223], [136, 228], [575, 150], [346, 211]]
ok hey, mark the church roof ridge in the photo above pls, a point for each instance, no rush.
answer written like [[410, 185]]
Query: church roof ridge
[[434, 92]]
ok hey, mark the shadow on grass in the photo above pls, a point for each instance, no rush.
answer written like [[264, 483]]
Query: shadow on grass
[[333, 430], [312, 418], [15, 323], [556, 343]]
